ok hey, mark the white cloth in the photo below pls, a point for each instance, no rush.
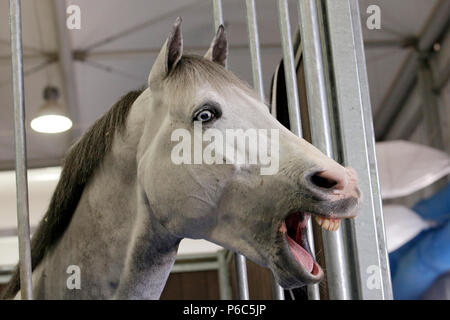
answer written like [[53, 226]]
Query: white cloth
[[405, 167], [402, 224]]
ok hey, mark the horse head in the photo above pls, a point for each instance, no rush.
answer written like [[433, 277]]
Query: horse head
[[199, 121]]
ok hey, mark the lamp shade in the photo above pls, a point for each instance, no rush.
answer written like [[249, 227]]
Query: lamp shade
[[51, 117]]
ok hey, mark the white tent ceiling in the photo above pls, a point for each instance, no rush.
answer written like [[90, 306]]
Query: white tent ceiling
[[111, 68]]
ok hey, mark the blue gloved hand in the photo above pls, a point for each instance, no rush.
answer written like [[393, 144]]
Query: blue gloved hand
[[418, 263]]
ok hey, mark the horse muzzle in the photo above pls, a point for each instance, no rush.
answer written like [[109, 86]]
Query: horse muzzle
[[337, 197]]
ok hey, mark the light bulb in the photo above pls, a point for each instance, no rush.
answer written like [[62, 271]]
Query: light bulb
[[51, 123], [51, 117]]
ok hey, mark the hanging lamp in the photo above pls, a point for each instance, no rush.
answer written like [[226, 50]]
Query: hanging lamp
[[51, 117]]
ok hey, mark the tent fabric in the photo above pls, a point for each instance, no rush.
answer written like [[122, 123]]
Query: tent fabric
[[405, 167]]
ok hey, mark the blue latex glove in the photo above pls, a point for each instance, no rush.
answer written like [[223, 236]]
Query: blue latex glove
[[418, 263]]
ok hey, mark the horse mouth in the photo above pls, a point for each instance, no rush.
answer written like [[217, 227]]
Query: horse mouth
[[294, 229]]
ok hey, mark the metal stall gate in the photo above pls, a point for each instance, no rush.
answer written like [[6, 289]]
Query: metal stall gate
[[341, 126]]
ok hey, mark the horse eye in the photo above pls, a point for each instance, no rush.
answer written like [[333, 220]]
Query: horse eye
[[204, 116]]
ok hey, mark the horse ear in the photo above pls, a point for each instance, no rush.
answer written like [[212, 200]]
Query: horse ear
[[168, 57], [218, 51]]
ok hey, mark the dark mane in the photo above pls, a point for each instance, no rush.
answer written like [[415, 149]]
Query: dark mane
[[79, 164]]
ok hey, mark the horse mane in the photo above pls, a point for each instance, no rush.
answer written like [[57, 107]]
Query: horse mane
[[79, 165]]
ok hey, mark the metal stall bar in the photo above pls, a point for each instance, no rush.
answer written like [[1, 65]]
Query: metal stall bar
[[289, 69], [386, 283], [241, 276], [217, 13], [15, 22], [252, 24], [240, 263], [318, 108], [224, 276], [364, 235], [253, 37], [293, 103]]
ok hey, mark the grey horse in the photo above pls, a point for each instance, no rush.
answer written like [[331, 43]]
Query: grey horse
[[122, 204]]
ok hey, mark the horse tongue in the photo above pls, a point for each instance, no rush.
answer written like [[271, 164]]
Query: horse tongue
[[301, 255]]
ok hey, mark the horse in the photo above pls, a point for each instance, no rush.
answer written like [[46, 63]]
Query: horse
[[122, 204]]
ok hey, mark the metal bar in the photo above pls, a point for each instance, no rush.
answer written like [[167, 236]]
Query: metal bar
[[318, 107], [241, 276], [293, 102], [217, 13], [277, 290], [253, 37], [252, 24], [289, 69], [364, 235], [371, 154], [23, 225], [240, 263], [313, 290], [224, 276]]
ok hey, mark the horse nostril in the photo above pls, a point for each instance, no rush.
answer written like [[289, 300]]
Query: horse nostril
[[322, 182]]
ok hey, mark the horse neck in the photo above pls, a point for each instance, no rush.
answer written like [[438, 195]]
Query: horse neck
[[112, 226], [150, 257], [152, 249]]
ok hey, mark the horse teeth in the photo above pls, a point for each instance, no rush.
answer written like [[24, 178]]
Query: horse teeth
[[318, 220], [337, 224], [331, 226], [328, 224]]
